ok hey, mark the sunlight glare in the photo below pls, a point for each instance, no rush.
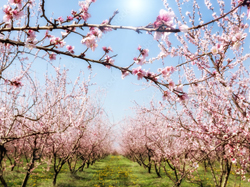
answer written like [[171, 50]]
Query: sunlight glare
[[135, 6]]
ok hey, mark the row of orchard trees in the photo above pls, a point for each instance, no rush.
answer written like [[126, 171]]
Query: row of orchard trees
[[206, 132], [55, 124]]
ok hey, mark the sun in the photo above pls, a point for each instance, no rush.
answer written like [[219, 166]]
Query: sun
[[135, 6]]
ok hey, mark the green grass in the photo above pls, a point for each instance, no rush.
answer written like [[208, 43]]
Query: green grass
[[111, 171]]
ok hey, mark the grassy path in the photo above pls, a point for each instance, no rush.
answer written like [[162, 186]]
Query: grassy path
[[113, 171]]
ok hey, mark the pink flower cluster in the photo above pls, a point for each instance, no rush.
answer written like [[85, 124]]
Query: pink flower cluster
[[91, 38], [31, 40], [141, 60], [95, 31], [166, 95], [52, 56], [107, 49], [70, 49], [166, 72], [90, 42], [125, 73], [105, 29], [11, 13], [16, 2], [58, 42], [164, 20], [109, 60], [84, 9], [16, 82], [140, 73]]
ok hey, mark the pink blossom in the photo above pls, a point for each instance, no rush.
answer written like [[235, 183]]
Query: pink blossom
[[57, 41], [96, 32], [183, 97], [171, 85], [234, 161], [151, 75], [109, 61], [7, 9], [7, 18], [10, 13], [31, 34], [166, 95], [31, 43], [60, 19], [139, 72], [183, 28], [70, 49], [237, 171], [107, 49], [167, 71], [85, 16], [243, 177], [16, 2], [236, 45], [105, 29], [90, 42], [214, 50], [165, 18], [158, 35], [144, 53], [73, 12], [140, 61], [239, 36], [195, 165], [125, 74], [83, 4], [64, 34], [31, 40], [47, 35], [17, 14], [69, 18], [16, 82], [84, 9], [52, 56]]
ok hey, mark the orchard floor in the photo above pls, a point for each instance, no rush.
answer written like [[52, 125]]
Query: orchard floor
[[112, 171]]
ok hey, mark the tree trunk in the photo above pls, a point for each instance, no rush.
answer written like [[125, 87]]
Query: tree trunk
[[2, 179], [29, 171], [228, 169], [55, 177], [149, 167], [157, 171], [82, 166], [69, 164], [2, 155]]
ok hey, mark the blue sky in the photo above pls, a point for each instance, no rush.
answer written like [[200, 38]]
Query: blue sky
[[120, 94]]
